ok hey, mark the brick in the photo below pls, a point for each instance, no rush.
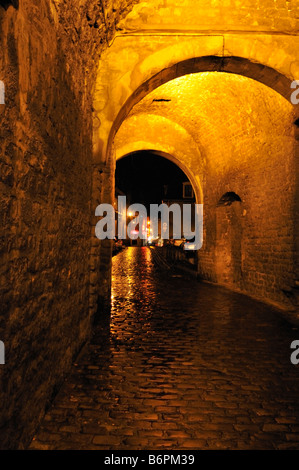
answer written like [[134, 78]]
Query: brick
[[107, 440]]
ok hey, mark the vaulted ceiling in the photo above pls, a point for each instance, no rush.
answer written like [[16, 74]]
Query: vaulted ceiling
[[227, 117]]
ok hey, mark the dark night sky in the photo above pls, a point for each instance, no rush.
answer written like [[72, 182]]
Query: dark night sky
[[142, 176]]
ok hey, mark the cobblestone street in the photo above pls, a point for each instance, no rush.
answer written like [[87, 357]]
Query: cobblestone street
[[185, 365]]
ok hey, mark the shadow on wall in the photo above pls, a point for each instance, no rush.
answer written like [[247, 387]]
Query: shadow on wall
[[7, 3], [228, 253]]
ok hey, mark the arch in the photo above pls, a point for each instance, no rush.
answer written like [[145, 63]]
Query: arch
[[175, 143], [235, 65], [137, 147], [135, 65], [228, 199], [229, 235]]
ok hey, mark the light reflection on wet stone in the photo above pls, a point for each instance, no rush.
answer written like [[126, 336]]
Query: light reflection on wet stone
[[185, 365]]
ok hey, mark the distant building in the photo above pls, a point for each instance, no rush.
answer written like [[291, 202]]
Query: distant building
[[187, 197]]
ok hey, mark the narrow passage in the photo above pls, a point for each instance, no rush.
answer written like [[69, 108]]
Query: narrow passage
[[184, 365]]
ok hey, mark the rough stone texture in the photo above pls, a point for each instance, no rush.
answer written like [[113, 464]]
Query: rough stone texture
[[243, 134], [222, 15], [185, 365], [228, 246], [53, 152], [47, 62], [150, 56], [160, 41], [135, 65]]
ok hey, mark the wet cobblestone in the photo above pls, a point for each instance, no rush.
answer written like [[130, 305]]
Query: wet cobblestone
[[184, 365]]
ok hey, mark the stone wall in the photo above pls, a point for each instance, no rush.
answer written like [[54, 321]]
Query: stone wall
[[157, 45], [223, 15], [249, 245], [53, 271], [244, 133], [47, 62]]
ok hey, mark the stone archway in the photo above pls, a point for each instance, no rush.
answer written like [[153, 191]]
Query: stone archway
[[232, 65], [235, 65], [188, 172], [277, 75], [59, 62], [139, 168]]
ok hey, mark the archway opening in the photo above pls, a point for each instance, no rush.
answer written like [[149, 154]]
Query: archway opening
[[229, 233], [229, 131], [147, 178], [228, 199]]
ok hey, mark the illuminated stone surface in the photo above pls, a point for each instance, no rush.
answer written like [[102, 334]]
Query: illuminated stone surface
[[73, 72], [185, 366], [47, 63], [240, 136]]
